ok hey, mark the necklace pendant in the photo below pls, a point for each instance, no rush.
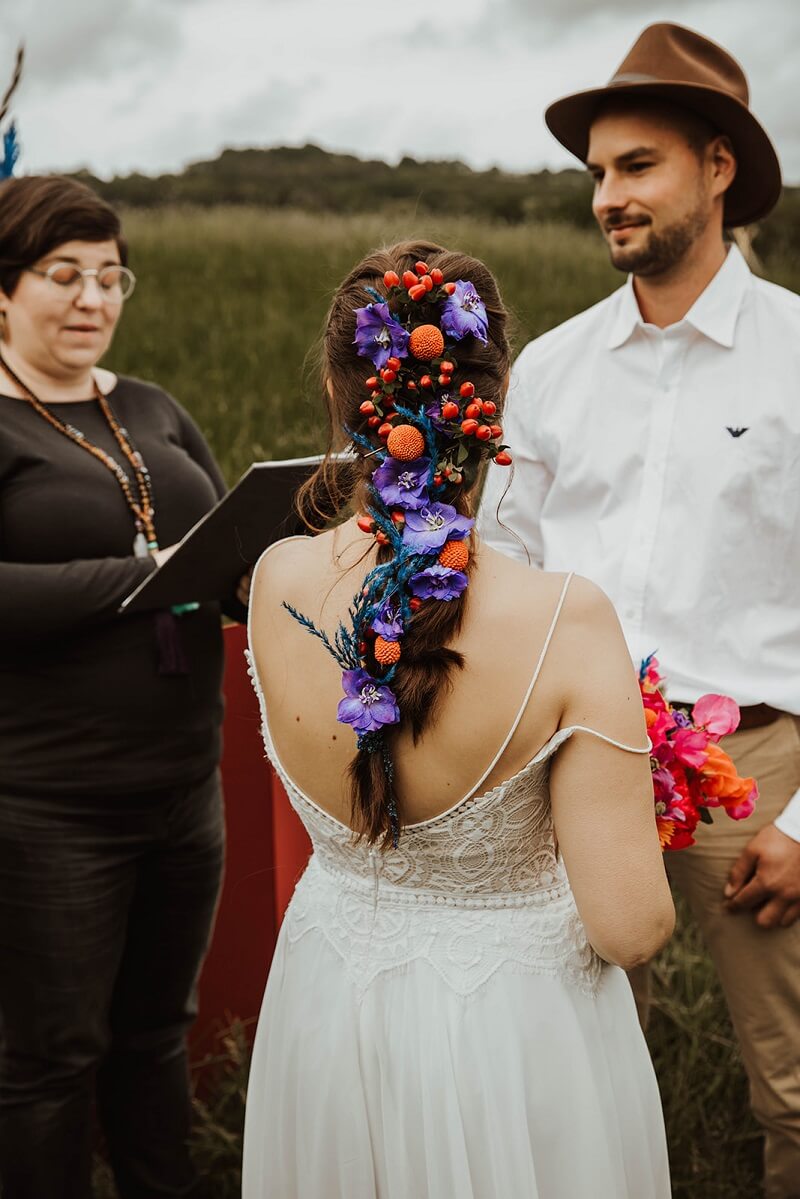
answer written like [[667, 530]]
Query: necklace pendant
[[140, 549]]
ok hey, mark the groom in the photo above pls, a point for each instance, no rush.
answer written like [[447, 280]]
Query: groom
[[656, 446]]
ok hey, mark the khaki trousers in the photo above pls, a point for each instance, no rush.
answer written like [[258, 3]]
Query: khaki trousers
[[759, 969]]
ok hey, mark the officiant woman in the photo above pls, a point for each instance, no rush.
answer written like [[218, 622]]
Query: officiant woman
[[111, 830]]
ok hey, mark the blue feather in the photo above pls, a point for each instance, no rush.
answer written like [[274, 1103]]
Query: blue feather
[[10, 151]]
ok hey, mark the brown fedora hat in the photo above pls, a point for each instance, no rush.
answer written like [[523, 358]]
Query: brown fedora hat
[[677, 64]]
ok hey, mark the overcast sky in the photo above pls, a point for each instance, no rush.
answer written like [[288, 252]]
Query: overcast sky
[[149, 85]]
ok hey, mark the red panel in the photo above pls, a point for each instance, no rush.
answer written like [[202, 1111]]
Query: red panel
[[233, 977], [267, 848]]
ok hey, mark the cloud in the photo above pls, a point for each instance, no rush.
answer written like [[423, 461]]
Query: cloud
[[66, 42], [153, 84]]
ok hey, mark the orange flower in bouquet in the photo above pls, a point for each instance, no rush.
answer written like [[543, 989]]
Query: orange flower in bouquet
[[690, 772]]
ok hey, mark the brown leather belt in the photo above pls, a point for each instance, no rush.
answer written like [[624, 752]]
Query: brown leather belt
[[753, 716]]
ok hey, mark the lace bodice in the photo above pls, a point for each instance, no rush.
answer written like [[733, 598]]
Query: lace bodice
[[479, 888]]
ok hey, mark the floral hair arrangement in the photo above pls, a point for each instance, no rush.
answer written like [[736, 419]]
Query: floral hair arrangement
[[426, 437], [690, 772]]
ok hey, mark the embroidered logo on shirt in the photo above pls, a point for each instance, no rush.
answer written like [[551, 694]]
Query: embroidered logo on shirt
[[736, 432]]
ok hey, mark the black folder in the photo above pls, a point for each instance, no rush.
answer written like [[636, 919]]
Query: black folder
[[229, 539]]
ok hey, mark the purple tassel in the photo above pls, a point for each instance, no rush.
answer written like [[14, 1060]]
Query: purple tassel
[[171, 654]]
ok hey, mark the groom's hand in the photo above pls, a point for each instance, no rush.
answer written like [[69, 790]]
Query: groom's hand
[[766, 877]]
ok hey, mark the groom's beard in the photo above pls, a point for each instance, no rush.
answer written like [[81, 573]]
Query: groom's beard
[[660, 251]]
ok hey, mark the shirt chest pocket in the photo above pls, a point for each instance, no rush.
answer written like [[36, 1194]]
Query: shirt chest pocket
[[757, 471]]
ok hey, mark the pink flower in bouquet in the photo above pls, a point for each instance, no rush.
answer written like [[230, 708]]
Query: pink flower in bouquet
[[690, 747], [717, 714], [659, 722]]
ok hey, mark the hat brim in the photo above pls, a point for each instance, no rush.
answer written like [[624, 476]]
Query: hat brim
[[757, 187]]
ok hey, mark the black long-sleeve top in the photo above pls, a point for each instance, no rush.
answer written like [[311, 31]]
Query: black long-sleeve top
[[83, 707]]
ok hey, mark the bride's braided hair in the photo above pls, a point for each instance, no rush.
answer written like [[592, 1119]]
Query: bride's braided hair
[[417, 388]]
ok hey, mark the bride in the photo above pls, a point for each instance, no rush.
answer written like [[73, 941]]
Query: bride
[[447, 1015]]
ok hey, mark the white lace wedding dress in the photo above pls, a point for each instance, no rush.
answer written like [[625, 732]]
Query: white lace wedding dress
[[436, 1024]]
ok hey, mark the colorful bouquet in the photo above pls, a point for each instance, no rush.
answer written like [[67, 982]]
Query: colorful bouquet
[[690, 772]]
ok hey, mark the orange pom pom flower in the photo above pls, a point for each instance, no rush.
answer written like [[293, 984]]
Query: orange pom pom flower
[[454, 555], [405, 442], [426, 342], [386, 652]]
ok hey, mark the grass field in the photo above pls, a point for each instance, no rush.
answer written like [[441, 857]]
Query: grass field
[[226, 314]]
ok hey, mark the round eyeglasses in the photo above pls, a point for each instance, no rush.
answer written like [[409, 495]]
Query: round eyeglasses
[[115, 282]]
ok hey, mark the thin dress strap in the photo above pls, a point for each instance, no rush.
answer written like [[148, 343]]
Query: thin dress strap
[[531, 686]]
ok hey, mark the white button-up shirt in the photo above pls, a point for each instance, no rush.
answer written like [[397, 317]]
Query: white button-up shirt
[[664, 464]]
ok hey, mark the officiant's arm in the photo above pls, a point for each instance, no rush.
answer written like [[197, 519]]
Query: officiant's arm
[[511, 504], [39, 600]]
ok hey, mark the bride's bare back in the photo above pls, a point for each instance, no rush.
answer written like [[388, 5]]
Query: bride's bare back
[[602, 798]]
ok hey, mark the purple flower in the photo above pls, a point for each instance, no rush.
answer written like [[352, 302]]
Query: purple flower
[[464, 313], [388, 623], [402, 484], [378, 335], [428, 529], [439, 582], [681, 719], [369, 704]]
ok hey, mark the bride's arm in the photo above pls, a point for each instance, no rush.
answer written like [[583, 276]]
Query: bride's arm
[[602, 796]]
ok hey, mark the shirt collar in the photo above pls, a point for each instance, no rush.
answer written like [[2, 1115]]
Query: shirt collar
[[714, 312]]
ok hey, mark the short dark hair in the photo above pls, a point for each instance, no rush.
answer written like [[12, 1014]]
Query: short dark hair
[[40, 212]]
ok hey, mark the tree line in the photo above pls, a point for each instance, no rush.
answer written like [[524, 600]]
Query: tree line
[[315, 180]]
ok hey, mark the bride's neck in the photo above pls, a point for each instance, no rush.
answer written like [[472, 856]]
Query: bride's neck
[[50, 388]]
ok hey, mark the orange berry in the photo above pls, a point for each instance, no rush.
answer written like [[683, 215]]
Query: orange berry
[[467, 390], [405, 442], [483, 433], [449, 288], [418, 291], [426, 279], [409, 279], [385, 429], [449, 410], [393, 364], [366, 524], [468, 427], [386, 652], [391, 279], [426, 381], [472, 411], [421, 268], [503, 459], [415, 603], [437, 276], [489, 407], [373, 420], [447, 367], [367, 408], [371, 382], [426, 342], [454, 555], [497, 431]]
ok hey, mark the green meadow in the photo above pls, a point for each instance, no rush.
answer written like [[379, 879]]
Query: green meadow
[[226, 316]]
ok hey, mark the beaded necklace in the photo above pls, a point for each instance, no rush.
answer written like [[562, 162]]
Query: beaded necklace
[[143, 509]]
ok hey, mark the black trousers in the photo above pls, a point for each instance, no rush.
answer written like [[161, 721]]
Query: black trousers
[[106, 909]]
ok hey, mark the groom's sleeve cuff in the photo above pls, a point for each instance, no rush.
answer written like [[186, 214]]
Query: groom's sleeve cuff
[[789, 820]]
